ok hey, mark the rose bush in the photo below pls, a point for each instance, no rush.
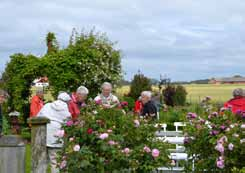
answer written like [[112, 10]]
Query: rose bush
[[216, 141], [110, 141]]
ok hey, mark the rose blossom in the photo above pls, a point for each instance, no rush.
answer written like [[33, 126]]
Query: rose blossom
[[220, 163], [71, 139], [111, 142], [214, 132], [136, 123], [104, 136], [109, 131], [147, 149], [155, 153], [89, 131], [222, 127], [126, 150], [219, 147], [60, 133], [76, 148], [242, 141], [230, 146], [191, 115], [243, 126], [69, 123], [63, 164]]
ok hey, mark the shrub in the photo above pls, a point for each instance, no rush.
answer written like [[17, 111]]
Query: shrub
[[216, 142], [174, 95], [111, 142], [139, 83]]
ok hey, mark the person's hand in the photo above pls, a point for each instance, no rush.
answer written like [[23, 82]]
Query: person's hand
[[106, 106]]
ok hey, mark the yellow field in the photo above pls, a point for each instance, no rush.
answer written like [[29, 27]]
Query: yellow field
[[196, 92]]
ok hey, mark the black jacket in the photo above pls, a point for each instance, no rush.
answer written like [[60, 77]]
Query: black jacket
[[149, 109]]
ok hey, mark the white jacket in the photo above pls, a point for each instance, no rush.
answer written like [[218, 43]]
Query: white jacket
[[57, 112]]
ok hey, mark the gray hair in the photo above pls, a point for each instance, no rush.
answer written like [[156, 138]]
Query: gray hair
[[105, 84], [82, 90], [146, 93], [238, 92], [3, 93]]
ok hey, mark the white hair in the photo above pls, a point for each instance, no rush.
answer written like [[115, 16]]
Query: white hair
[[106, 84], [146, 93], [63, 96], [82, 90]]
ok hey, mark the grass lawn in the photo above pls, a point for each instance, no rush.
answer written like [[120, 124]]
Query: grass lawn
[[196, 92]]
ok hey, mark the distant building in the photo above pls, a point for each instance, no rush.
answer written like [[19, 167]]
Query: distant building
[[41, 82], [228, 80]]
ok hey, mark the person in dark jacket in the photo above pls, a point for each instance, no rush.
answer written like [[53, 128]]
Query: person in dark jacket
[[149, 107]]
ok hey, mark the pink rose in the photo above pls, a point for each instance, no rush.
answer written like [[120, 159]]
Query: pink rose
[[60, 133], [111, 142], [109, 131], [147, 149], [126, 150], [136, 123], [155, 153], [104, 136], [243, 126], [69, 123], [219, 147], [220, 163], [76, 148], [230, 146], [63, 164], [71, 139]]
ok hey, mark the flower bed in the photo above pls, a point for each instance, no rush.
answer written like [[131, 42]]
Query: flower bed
[[216, 141], [110, 141]]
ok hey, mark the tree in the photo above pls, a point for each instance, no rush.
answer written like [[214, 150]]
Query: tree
[[139, 83], [17, 78], [52, 43], [89, 61]]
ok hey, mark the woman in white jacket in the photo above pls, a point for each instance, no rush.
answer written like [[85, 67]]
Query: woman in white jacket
[[57, 112]]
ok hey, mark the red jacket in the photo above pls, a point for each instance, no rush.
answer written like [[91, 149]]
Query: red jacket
[[74, 107], [36, 105], [236, 104], [138, 106]]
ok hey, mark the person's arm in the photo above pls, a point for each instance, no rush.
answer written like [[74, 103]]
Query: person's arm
[[34, 107]]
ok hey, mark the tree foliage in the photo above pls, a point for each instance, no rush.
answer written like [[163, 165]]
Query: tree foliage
[[175, 95], [139, 83], [90, 60]]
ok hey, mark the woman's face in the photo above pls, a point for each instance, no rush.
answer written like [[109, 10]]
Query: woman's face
[[106, 91], [81, 97], [144, 99]]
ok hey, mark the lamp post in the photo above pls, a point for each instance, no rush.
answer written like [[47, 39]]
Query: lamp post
[[15, 127]]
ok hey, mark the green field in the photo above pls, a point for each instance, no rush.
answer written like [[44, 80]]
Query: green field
[[196, 92]]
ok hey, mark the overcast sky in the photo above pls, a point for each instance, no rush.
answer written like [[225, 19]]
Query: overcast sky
[[184, 39]]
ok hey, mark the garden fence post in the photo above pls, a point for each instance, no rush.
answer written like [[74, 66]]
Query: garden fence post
[[38, 144]]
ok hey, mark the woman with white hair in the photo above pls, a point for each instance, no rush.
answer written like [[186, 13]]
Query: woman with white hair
[[78, 101], [149, 107], [57, 112], [106, 98]]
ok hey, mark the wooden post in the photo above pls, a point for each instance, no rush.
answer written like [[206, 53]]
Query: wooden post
[[38, 144]]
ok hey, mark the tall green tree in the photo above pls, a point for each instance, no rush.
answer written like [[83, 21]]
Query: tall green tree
[[139, 83], [89, 61], [52, 43]]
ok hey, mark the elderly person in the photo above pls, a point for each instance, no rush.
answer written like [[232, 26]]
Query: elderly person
[[237, 103], [106, 98], [36, 103], [149, 107], [3, 97], [78, 101], [57, 112]]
